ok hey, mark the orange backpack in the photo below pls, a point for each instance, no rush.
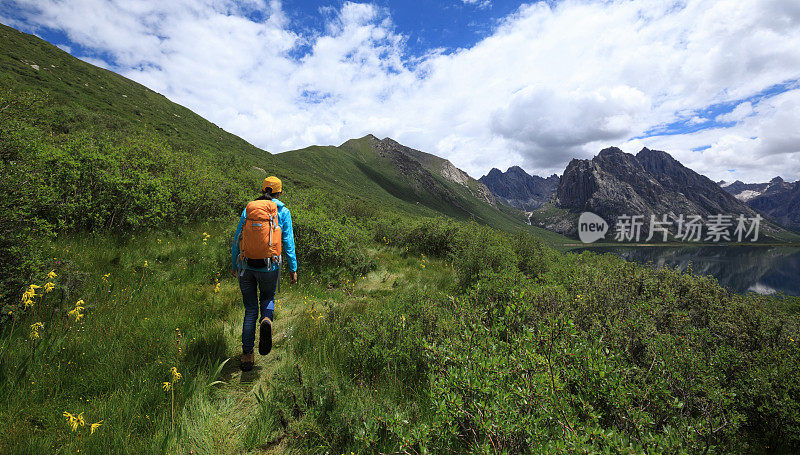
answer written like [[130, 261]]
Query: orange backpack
[[261, 234]]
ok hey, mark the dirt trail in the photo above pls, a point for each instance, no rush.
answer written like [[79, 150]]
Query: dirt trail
[[220, 423]]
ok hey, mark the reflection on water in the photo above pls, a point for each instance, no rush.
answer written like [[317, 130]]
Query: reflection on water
[[740, 268]]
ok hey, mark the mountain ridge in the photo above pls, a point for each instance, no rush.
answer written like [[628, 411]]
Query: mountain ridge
[[652, 182], [778, 199], [519, 189]]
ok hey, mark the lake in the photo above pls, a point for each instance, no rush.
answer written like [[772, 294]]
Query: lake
[[761, 269]]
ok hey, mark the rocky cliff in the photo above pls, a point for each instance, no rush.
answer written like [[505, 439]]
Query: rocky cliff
[[651, 182], [777, 199], [410, 160], [519, 189]]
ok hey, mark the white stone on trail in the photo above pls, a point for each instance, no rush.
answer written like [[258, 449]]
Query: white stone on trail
[[36, 67]]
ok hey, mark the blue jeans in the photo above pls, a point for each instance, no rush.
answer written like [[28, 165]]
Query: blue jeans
[[251, 282]]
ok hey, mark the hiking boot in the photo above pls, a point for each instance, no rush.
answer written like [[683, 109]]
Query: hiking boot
[[246, 363], [265, 337]]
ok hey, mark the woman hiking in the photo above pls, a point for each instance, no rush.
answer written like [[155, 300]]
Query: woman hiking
[[264, 232]]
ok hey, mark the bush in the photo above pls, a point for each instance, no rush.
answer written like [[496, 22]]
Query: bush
[[332, 246], [479, 248]]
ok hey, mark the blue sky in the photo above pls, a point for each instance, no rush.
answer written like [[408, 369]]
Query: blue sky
[[485, 83], [429, 24]]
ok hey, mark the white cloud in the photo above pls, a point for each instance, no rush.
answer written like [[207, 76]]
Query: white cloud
[[549, 84], [763, 145], [478, 3], [738, 113]]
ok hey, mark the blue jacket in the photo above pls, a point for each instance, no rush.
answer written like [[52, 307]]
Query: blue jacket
[[287, 239]]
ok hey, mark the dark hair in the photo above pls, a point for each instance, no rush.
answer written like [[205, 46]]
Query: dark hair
[[268, 195]]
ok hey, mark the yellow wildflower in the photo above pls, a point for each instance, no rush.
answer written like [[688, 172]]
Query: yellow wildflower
[[95, 426], [175, 375], [35, 327], [79, 303], [145, 263], [76, 313], [216, 288], [166, 385], [28, 303], [71, 420], [51, 275], [30, 293], [74, 420], [49, 287]]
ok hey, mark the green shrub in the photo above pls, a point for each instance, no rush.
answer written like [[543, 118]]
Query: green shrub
[[478, 249], [533, 258], [332, 246]]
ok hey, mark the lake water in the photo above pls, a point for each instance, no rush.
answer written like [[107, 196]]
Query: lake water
[[759, 269]]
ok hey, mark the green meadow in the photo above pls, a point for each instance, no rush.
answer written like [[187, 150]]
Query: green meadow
[[402, 336]]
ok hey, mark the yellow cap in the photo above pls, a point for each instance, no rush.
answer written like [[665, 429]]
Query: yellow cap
[[272, 182]]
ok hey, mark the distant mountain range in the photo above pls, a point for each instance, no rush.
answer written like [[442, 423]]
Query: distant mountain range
[[615, 183], [519, 189], [778, 199]]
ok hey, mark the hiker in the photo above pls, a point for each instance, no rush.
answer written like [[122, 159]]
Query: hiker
[[265, 228]]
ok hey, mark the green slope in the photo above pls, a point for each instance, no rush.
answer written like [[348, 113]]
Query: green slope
[[78, 95], [404, 182]]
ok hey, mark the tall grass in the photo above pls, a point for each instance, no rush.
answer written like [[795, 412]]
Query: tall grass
[[110, 365]]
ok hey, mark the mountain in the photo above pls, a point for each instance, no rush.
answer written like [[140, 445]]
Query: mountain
[[402, 155], [519, 189], [778, 199], [745, 191], [390, 175], [651, 182], [781, 203]]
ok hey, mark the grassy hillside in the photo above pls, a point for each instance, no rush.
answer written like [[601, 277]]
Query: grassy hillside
[[70, 95], [425, 340]]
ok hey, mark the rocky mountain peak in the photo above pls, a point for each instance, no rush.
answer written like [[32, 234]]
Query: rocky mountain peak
[[612, 154], [652, 182], [518, 188]]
